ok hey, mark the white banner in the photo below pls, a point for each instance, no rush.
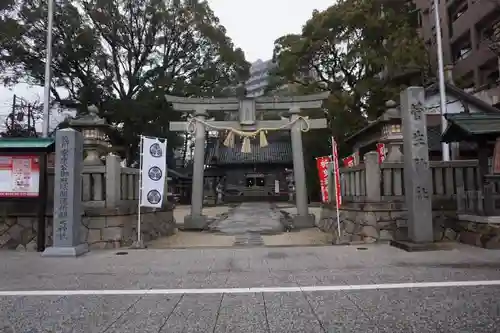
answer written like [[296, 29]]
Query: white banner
[[153, 171]]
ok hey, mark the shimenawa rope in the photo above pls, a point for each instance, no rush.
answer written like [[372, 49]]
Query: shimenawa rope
[[246, 135]]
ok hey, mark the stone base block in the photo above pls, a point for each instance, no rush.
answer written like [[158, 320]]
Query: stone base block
[[422, 247], [195, 222], [69, 251], [300, 222], [138, 245]]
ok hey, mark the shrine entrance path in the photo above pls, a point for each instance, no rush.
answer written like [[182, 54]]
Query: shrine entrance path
[[250, 217], [248, 224]]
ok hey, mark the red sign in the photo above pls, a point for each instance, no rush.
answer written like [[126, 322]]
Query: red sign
[[381, 152], [348, 161], [323, 164], [336, 172], [19, 176]]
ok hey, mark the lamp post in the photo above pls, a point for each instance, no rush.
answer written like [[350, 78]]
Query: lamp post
[[392, 135], [95, 141]]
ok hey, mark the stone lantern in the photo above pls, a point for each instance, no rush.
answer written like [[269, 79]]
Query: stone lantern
[[95, 140], [392, 134]]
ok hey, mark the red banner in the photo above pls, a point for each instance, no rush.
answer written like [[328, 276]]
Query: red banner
[[336, 173], [348, 161], [323, 164], [381, 152]]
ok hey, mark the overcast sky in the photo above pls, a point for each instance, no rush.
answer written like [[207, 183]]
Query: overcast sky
[[252, 25]]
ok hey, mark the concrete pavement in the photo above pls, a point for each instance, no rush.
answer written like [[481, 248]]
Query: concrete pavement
[[178, 298]]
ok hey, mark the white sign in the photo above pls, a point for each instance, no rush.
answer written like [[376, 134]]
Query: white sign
[[153, 171], [276, 186], [19, 176]]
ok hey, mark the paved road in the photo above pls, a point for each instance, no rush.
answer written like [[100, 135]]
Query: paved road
[[184, 291]]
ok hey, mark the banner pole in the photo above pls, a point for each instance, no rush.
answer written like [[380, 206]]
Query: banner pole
[[338, 218], [336, 172], [139, 238]]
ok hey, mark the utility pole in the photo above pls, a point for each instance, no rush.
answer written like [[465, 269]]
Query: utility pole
[[48, 62], [442, 90]]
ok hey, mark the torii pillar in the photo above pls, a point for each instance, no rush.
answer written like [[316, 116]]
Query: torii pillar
[[199, 108]]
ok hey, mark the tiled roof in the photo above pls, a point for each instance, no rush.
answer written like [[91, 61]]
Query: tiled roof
[[472, 125], [33, 144], [275, 152]]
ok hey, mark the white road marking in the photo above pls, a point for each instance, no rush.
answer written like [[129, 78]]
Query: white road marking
[[124, 292]]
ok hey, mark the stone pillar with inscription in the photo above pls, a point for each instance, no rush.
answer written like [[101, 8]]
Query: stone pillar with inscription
[[417, 174], [67, 218]]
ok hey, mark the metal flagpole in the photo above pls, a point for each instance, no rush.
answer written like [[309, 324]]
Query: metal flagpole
[[139, 240], [442, 89], [48, 73]]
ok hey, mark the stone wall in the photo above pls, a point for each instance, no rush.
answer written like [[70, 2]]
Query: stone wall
[[101, 228], [382, 222]]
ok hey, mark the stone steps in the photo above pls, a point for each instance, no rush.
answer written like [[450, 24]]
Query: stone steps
[[248, 239]]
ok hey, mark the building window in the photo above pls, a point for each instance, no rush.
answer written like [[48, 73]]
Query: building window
[[259, 181], [255, 182], [457, 9], [461, 49], [250, 182]]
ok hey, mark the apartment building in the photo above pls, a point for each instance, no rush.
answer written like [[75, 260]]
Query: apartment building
[[259, 75], [469, 29]]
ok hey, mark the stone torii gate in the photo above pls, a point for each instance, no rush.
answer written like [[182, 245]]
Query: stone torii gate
[[247, 125]]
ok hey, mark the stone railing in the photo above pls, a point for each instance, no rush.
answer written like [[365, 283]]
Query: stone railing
[[386, 181], [109, 196], [109, 185], [129, 185], [373, 200], [483, 201], [353, 183]]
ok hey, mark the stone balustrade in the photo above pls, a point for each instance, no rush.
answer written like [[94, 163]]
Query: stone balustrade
[[109, 185], [373, 208], [110, 196]]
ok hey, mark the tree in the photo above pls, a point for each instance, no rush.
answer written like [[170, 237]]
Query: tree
[[353, 49], [124, 56], [356, 49]]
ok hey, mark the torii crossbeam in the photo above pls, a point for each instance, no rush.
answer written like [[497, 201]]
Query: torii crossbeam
[[199, 108]]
